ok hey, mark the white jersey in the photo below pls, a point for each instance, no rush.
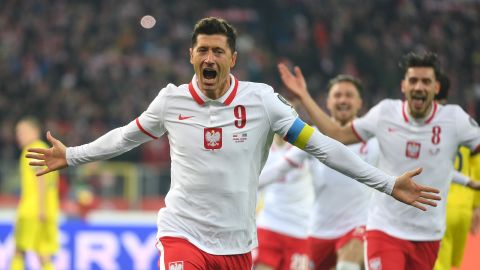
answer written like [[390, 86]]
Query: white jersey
[[218, 148], [341, 203], [287, 201], [406, 144]]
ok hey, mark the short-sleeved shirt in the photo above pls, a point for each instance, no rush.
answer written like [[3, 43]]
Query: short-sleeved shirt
[[407, 143], [218, 148]]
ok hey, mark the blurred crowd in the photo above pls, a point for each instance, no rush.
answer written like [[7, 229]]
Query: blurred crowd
[[85, 67]]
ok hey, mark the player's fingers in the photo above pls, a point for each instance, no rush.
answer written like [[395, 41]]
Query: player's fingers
[[42, 151], [284, 72], [428, 189], [35, 156], [37, 163], [298, 72], [430, 196], [50, 138], [426, 201], [40, 173], [415, 172], [419, 206]]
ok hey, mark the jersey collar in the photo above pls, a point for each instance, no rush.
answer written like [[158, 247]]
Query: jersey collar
[[200, 98], [407, 116]]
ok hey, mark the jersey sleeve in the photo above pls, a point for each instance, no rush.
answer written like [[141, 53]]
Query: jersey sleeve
[[459, 178], [280, 113], [338, 157], [468, 130], [148, 126], [365, 126]]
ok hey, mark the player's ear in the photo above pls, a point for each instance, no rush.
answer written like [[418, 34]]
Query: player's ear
[[437, 87], [403, 85], [234, 59]]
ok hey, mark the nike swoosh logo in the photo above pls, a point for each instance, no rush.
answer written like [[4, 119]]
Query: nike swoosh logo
[[181, 117]]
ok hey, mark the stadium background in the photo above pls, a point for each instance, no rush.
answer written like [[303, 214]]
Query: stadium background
[[84, 67]]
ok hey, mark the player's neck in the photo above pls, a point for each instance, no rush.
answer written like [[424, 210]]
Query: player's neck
[[421, 117], [219, 92], [343, 123]]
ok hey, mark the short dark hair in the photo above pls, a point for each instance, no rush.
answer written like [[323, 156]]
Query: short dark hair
[[346, 78], [444, 81], [212, 26], [425, 59]]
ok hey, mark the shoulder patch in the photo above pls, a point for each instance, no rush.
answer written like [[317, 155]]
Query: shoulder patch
[[282, 99]]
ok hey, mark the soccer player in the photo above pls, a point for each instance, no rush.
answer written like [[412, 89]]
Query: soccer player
[[337, 226], [220, 130], [411, 133], [282, 223], [36, 227], [463, 204]]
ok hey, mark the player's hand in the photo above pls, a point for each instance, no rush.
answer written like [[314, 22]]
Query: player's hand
[[295, 83], [54, 158], [475, 226], [475, 185], [411, 193]]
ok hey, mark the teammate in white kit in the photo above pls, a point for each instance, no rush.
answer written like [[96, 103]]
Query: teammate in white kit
[[282, 223], [220, 130], [411, 133], [337, 226]]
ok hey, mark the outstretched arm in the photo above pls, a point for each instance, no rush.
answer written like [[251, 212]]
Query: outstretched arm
[[403, 188], [113, 143], [297, 85]]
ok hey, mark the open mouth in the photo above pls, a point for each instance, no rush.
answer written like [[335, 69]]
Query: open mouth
[[418, 101], [343, 108], [209, 73]]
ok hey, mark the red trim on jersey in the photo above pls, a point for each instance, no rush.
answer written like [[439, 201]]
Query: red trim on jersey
[[194, 94], [405, 117], [233, 93], [433, 113], [356, 134], [435, 107], [144, 131], [293, 163]]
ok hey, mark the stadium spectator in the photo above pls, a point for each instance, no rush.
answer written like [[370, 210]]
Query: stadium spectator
[[411, 133], [36, 227], [96, 53], [220, 130]]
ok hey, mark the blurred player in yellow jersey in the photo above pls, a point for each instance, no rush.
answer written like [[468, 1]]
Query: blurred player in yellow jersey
[[463, 203], [36, 227]]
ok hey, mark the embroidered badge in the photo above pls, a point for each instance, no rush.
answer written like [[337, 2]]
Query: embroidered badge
[[212, 138], [413, 149]]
